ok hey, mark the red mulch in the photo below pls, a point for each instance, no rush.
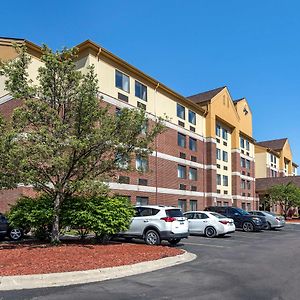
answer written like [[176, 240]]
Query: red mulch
[[24, 259], [292, 221]]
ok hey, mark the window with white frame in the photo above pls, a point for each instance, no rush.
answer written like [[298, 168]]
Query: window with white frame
[[192, 117], [141, 164], [180, 111], [122, 81], [140, 91]]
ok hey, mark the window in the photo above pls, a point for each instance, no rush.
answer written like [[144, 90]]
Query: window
[[124, 179], [193, 158], [219, 180], [140, 91], [141, 105], [144, 127], [180, 111], [181, 172], [118, 111], [182, 155], [248, 185], [218, 130], [225, 203], [193, 205], [142, 200], [193, 188], [141, 164], [192, 174], [243, 205], [218, 192], [182, 204], [225, 134], [218, 153], [122, 97], [243, 162], [192, 129], [219, 203], [181, 140], [248, 164], [225, 192], [182, 187], [247, 145], [142, 181], [243, 184], [181, 124], [193, 144], [122, 81], [248, 206], [192, 117], [218, 166], [225, 180], [225, 156], [242, 142]]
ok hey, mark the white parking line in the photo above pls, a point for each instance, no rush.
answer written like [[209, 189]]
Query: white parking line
[[206, 245]]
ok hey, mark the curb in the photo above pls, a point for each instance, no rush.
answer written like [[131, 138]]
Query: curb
[[20, 282]]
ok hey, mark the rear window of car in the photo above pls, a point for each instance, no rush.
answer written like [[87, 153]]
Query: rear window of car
[[174, 213], [219, 216]]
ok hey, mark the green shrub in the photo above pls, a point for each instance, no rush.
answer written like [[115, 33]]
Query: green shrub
[[34, 214], [105, 216]]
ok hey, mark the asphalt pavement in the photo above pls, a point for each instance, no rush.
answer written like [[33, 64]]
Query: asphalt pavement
[[260, 265]]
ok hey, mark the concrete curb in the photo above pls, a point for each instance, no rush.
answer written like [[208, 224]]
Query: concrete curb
[[80, 277]]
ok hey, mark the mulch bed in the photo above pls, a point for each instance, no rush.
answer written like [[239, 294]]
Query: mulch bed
[[35, 258]]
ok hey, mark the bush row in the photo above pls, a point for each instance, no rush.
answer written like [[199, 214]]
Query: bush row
[[104, 216]]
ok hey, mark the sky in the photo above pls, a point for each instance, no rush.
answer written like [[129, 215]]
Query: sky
[[252, 47]]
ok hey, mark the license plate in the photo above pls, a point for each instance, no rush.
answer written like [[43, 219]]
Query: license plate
[[181, 223]]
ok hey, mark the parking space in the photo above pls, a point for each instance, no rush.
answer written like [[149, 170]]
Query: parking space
[[260, 265]]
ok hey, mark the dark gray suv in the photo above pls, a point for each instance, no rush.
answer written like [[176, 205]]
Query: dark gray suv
[[242, 219], [14, 234]]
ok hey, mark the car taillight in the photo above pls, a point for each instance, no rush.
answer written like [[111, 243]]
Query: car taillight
[[224, 222], [168, 219]]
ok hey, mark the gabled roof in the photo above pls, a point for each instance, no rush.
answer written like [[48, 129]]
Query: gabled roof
[[205, 96], [273, 144], [238, 100]]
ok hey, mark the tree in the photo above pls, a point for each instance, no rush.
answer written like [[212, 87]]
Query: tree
[[65, 141], [286, 195]]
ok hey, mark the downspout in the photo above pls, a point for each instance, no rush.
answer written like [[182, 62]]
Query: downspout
[[156, 158]]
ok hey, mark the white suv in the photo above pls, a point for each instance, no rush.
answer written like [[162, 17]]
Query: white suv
[[154, 223]]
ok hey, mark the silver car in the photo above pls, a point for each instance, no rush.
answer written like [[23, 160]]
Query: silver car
[[273, 220], [154, 223]]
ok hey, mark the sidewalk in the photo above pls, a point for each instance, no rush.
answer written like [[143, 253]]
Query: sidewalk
[[81, 277]]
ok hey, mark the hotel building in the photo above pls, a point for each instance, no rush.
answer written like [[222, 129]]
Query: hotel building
[[206, 155]]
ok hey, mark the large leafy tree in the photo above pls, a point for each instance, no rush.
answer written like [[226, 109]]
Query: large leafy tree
[[286, 195], [63, 140]]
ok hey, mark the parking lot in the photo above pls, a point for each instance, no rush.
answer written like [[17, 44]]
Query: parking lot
[[259, 265]]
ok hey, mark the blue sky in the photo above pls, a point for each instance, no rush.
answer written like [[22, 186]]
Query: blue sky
[[253, 47]]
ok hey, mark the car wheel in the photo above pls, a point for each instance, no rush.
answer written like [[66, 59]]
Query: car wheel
[[210, 232], [152, 237], [15, 234], [248, 226], [269, 227], [174, 242]]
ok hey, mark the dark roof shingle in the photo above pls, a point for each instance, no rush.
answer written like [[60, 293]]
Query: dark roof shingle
[[205, 96], [273, 144], [263, 184]]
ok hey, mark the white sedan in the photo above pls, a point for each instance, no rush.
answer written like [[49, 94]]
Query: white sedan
[[210, 224]]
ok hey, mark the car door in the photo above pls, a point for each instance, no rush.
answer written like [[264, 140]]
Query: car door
[[198, 223], [236, 216], [138, 222], [3, 225]]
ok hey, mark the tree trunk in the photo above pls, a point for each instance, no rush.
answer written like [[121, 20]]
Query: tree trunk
[[55, 223]]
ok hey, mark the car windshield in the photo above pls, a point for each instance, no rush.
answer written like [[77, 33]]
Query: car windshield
[[174, 213], [219, 216], [242, 212], [270, 213]]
